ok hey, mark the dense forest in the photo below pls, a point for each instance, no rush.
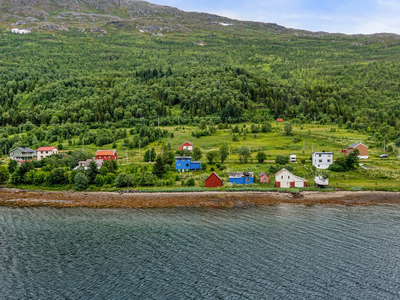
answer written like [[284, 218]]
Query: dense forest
[[60, 85]]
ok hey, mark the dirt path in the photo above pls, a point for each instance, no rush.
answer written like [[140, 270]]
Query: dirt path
[[22, 198]]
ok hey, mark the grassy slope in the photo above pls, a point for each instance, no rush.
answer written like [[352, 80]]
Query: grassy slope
[[273, 144]]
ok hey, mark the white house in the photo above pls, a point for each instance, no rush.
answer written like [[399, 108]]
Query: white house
[[286, 179], [187, 146], [43, 152], [322, 160], [85, 163]]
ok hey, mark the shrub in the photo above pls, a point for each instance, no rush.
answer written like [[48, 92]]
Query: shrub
[[336, 168], [124, 180], [190, 182], [282, 160], [4, 174], [40, 177], [57, 176], [109, 178], [99, 181], [204, 166], [81, 181]]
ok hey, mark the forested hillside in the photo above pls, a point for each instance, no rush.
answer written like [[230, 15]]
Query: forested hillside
[[78, 78]]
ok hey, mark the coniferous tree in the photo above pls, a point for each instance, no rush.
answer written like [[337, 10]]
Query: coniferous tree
[[158, 167]]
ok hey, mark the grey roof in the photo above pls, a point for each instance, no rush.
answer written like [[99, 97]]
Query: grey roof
[[182, 157], [24, 149], [196, 162], [241, 174], [262, 173], [353, 145]]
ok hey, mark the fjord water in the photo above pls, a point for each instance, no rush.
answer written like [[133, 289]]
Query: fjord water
[[276, 252]]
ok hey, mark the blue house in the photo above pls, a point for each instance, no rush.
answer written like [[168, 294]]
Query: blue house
[[241, 177], [186, 164]]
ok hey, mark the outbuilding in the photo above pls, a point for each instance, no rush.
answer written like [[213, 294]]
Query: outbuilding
[[286, 179], [263, 178], [213, 181], [241, 177]]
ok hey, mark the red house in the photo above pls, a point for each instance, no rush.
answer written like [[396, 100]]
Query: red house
[[279, 120], [213, 181], [187, 145], [263, 178], [107, 154]]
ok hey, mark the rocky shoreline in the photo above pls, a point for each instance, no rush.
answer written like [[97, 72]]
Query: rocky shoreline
[[23, 198]]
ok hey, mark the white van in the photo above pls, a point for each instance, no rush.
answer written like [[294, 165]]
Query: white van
[[293, 158]]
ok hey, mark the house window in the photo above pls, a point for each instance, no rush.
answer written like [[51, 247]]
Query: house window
[[179, 164], [320, 155], [247, 180], [187, 165], [281, 177], [328, 160], [320, 160], [47, 152]]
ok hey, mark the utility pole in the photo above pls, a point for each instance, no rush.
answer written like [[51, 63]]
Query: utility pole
[[384, 146], [83, 144], [158, 121], [139, 148], [304, 145], [315, 120], [6, 149]]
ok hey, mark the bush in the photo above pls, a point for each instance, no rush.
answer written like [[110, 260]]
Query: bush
[[57, 176], [40, 177], [190, 182], [4, 174], [99, 181], [124, 180], [204, 166], [336, 168], [109, 178], [81, 181], [282, 160]]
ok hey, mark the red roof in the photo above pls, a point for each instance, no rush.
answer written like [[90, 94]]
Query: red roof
[[46, 148], [279, 120], [187, 144], [105, 152]]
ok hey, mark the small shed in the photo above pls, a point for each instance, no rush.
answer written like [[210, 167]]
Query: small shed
[[279, 120], [263, 178], [213, 181], [241, 177]]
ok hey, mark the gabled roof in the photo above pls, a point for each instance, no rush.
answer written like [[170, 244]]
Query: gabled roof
[[241, 174], [215, 175], [263, 173], [46, 148], [352, 146], [24, 149], [187, 144], [196, 162], [106, 152], [283, 170]]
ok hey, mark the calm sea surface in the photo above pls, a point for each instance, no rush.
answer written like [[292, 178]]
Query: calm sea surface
[[276, 252]]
